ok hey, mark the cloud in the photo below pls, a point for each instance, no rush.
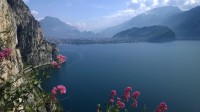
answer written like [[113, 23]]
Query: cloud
[[81, 26], [40, 18], [34, 13], [136, 7], [149, 4], [119, 16]]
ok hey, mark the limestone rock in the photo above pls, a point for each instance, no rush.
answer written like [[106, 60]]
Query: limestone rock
[[8, 39], [34, 49]]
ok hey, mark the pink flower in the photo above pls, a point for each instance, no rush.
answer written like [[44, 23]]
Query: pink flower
[[118, 99], [7, 52], [1, 55], [136, 94], [54, 91], [120, 104], [112, 101], [127, 93], [158, 110], [55, 64], [162, 107], [61, 58], [113, 93], [134, 105], [128, 89], [62, 89]]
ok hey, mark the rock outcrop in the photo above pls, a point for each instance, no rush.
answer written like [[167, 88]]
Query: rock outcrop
[[8, 39], [22, 33], [34, 49]]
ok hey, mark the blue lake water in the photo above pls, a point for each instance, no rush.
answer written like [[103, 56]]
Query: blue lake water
[[160, 71]]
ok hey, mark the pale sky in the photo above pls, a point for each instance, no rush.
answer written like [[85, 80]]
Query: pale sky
[[98, 14]]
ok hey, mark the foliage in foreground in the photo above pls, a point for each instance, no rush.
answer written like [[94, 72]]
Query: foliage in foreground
[[22, 92]]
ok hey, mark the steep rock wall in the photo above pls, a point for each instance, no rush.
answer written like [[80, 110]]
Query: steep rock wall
[[34, 49], [8, 39]]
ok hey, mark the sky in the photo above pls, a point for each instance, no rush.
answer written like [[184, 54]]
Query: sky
[[94, 15]]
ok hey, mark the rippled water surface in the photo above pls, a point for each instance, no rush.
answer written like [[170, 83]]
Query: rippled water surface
[[160, 71]]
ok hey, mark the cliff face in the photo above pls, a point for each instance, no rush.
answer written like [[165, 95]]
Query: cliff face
[[22, 33], [34, 49], [8, 39]]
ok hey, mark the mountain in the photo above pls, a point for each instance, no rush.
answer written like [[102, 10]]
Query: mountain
[[185, 24], [152, 17], [149, 34], [53, 27]]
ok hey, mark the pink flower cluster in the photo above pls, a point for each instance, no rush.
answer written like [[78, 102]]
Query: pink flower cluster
[[127, 93], [58, 89], [113, 93], [135, 96], [61, 58], [126, 96], [5, 53], [55, 64], [112, 96], [120, 104], [134, 103], [162, 107]]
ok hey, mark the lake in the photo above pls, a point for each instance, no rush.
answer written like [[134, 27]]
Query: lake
[[167, 72]]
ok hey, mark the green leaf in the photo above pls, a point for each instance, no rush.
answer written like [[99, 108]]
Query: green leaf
[[36, 82], [5, 96]]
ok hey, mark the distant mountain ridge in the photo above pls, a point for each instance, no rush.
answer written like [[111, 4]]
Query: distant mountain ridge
[[186, 24], [152, 17], [148, 34], [55, 28]]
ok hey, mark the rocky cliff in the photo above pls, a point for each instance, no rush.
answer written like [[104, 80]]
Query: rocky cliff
[[22, 33], [8, 39], [34, 49]]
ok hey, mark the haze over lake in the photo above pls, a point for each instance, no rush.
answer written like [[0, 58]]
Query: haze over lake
[[160, 71]]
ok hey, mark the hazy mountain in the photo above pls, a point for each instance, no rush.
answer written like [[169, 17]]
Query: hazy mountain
[[152, 17], [55, 28], [150, 34], [186, 24]]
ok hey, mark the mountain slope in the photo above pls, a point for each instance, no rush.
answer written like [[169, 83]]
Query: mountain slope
[[153, 17], [186, 24], [53, 27], [149, 34]]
